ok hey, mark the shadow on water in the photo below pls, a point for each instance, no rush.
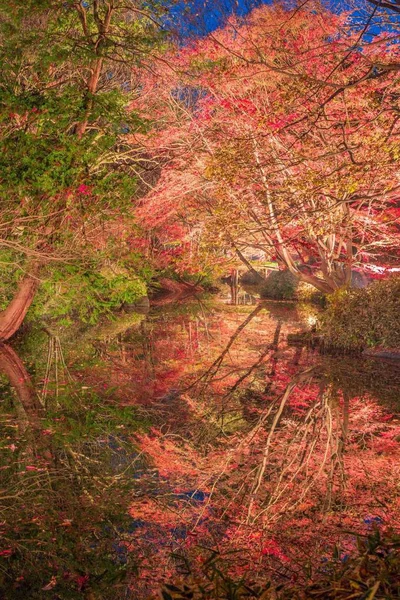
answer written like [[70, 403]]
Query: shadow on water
[[133, 450]]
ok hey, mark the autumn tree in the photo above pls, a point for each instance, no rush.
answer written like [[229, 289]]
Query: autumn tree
[[282, 138], [68, 165]]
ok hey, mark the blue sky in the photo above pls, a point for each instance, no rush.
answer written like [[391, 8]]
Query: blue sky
[[199, 17]]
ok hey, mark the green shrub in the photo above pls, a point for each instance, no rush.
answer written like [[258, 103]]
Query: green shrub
[[305, 292], [279, 285], [361, 318], [86, 295]]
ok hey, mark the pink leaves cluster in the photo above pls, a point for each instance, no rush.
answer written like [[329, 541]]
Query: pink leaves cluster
[[281, 84], [169, 458], [84, 190]]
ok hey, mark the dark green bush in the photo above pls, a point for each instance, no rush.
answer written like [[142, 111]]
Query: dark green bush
[[363, 318], [71, 293], [279, 285]]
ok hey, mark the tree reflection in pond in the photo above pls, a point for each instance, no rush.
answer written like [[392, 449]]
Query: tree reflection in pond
[[64, 491], [197, 428]]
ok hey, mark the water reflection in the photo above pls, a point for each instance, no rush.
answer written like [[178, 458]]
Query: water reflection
[[63, 490], [240, 294], [138, 450]]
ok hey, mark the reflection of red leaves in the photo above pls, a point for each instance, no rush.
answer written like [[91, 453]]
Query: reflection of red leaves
[[81, 581], [386, 446], [153, 512], [66, 523], [272, 548], [52, 583], [168, 457], [32, 468]]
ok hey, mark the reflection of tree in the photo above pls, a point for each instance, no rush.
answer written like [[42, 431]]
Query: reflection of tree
[[264, 441], [216, 365], [294, 452], [64, 492], [296, 456], [28, 408], [281, 459], [13, 368], [245, 451], [279, 315]]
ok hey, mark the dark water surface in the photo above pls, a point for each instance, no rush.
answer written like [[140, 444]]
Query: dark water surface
[[133, 451]]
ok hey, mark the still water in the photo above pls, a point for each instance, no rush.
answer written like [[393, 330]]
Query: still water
[[142, 451]]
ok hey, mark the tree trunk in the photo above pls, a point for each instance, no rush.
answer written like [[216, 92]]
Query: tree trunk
[[250, 267], [12, 317], [12, 366], [92, 87], [320, 284], [316, 282]]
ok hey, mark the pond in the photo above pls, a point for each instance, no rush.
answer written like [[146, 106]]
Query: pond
[[199, 438]]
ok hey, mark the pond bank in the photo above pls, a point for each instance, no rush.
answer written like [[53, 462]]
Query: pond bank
[[356, 320]]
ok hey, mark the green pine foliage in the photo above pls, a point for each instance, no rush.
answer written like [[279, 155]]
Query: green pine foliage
[[69, 164]]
